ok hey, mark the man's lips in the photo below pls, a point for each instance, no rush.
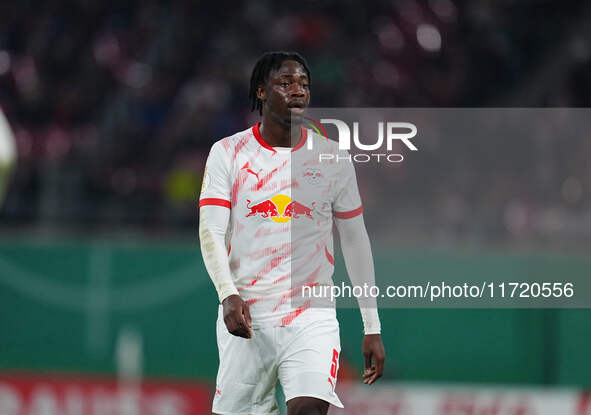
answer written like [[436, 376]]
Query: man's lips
[[296, 110], [296, 107]]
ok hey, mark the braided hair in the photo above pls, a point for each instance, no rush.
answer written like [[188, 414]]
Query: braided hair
[[266, 63]]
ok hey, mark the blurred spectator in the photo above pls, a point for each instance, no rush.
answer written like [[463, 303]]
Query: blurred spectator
[[115, 106]]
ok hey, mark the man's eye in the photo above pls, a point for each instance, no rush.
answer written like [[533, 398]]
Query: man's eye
[[284, 84], [306, 86]]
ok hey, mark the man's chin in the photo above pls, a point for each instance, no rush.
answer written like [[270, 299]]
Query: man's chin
[[296, 117]]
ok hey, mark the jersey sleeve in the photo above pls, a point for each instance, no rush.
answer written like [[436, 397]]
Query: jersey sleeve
[[347, 202], [216, 185]]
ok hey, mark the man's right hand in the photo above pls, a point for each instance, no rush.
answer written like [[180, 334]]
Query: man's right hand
[[237, 316]]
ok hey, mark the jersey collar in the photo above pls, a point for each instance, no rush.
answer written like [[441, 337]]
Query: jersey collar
[[263, 143]]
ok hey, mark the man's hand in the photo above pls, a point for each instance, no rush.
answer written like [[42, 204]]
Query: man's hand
[[237, 316], [373, 349]]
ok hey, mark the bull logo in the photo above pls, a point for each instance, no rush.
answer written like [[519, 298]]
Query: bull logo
[[280, 209]]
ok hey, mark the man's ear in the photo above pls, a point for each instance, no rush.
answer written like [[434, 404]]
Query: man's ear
[[261, 93]]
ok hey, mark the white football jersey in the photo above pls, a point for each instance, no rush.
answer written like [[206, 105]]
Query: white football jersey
[[282, 203]]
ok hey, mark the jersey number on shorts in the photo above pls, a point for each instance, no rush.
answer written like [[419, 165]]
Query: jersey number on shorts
[[333, 368]]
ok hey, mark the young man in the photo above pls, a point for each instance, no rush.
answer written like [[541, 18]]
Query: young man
[[261, 247]]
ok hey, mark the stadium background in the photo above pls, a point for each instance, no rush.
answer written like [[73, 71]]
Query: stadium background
[[114, 107]]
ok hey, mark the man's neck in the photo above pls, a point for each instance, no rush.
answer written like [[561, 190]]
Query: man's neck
[[278, 136]]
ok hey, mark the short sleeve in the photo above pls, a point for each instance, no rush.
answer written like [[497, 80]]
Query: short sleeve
[[347, 203], [216, 187]]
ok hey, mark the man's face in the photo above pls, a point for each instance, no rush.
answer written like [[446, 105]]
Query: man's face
[[286, 92]]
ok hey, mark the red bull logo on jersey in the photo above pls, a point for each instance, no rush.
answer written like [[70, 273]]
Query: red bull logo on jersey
[[313, 176], [280, 209]]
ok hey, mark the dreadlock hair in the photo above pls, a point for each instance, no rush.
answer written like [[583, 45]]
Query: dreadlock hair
[[266, 63]]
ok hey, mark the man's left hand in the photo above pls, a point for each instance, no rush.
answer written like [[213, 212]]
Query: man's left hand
[[374, 357]]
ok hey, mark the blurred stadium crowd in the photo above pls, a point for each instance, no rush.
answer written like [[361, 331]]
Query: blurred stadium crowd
[[115, 104]]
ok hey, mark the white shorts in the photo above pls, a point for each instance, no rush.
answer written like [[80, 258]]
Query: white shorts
[[304, 358]]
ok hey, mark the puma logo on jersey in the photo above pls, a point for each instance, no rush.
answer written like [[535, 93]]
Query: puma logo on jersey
[[250, 171]]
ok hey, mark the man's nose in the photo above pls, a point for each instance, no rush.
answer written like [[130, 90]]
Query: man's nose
[[298, 91]]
